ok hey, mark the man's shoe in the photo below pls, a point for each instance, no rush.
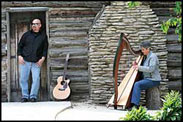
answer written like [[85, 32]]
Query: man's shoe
[[33, 100], [24, 100]]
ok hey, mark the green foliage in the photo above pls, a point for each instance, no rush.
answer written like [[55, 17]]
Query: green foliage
[[137, 115], [178, 9], [172, 107], [132, 4], [174, 21], [171, 110]]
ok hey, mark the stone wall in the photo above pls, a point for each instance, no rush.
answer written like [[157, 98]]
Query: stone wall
[[139, 24]]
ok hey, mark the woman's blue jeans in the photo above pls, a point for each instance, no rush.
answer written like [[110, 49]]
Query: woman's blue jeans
[[24, 77], [142, 85]]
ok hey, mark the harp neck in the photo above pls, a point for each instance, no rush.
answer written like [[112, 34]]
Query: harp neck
[[127, 45], [123, 43]]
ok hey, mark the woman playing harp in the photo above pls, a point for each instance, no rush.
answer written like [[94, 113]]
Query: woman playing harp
[[151, 75]]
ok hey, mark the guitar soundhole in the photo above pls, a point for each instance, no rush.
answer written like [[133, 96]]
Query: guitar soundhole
[[63, 82]]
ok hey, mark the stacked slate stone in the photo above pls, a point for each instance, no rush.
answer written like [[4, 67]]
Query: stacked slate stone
[[139, 23]]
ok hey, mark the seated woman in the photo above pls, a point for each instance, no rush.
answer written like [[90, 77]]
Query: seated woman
[[150, 71]]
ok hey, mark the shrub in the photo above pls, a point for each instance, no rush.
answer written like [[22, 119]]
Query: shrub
[[172, 106], [137, 115], [171, 110], [174, 21]]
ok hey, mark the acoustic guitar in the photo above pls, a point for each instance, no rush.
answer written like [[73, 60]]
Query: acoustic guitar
[[62, 89]]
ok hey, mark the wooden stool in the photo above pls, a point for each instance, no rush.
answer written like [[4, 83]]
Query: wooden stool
[[153, 101]]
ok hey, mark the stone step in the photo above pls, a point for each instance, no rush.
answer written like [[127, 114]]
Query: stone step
[[160, 4], [174, 48], [174, 73], [164, 11], [175, 85]]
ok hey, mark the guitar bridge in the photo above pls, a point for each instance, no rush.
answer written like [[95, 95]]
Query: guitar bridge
[[61, 89]]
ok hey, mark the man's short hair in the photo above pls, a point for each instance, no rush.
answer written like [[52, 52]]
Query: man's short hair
[[38, 19], [145, 44]]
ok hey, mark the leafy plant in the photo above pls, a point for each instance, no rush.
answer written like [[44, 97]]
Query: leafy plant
[[137, 115], [132, 4], [174, 21], [171, 110], [172, 106]]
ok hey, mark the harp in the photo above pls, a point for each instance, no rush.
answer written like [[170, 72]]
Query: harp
[[122, 93]]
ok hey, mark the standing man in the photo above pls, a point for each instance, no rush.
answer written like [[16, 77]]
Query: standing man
[[32, 51]]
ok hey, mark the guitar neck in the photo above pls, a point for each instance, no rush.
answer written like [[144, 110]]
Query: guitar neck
[[65, 65]]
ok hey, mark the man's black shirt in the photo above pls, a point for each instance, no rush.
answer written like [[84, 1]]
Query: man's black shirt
[[33, 46]]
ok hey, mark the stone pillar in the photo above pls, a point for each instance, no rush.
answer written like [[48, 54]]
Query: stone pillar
[[139, 24], [153, 101]]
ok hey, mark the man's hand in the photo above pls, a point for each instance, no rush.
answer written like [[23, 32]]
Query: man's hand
[[21, 60], [40, 62]]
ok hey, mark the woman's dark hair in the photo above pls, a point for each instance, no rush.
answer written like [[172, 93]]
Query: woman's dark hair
[[145, 44]]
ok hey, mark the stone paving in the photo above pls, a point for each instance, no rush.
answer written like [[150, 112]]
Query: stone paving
[[32, 111], [64, 110]]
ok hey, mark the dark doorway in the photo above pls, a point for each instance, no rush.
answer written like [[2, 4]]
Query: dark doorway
[[19, 23]]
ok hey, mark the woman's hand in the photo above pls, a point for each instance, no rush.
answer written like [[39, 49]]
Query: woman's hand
[[135, 66]]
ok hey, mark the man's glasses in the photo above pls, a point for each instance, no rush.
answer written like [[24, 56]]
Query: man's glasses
[[35, 24]]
